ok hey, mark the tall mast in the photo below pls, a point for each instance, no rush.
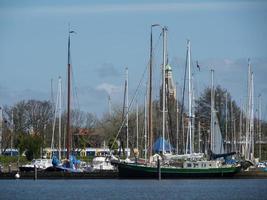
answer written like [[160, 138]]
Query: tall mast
[[1, 128], [259, 127], [226, 113], [199, 135], [57, 113], [193, 115], [12, 133], [69, 98], [252, 116], [234, 129], [137, 126], [232, 126], [127, 112], [177, 120], [183, 140], [150, 133], [212, 113], [145, 129], [150, 124], [240, 129], [164, 30], [59, 118], [247, 153], [189, 95]]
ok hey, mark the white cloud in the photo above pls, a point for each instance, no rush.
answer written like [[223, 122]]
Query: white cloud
[[109, 88]]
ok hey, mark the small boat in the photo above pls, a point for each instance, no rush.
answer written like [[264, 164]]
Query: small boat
[[100, 163], [71, 165], [40, 164]]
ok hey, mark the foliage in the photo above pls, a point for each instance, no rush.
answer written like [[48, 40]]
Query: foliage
[[30, 144], [33, 119], [112, 144], [6, 160]]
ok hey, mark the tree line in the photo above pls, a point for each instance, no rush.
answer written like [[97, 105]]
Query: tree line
[[28, 125]]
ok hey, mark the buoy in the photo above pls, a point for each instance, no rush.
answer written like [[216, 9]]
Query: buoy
[[17, 176]]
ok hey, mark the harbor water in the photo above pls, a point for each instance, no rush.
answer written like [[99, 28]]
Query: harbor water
[[134, 189]]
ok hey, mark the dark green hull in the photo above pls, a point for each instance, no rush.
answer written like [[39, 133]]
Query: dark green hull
[[141, 171]]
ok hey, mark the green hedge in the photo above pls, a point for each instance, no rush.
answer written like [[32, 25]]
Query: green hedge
[[6, 160]]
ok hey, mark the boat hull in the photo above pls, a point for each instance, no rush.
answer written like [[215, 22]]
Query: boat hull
[[142, 171], [26, 169], [62, 169]]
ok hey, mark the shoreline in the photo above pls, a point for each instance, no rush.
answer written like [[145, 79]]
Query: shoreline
[[111, 175]]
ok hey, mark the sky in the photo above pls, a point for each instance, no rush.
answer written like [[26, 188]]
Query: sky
[[113, 35]]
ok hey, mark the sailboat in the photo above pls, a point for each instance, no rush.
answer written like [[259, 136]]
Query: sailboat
[[184, 165], [70, 163]]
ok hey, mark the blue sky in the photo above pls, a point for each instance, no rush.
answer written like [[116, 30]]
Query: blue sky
[[112, 35]]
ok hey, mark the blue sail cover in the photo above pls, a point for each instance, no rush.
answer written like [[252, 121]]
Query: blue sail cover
[[158, 145]]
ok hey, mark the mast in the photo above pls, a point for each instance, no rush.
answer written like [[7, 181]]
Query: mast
[[259, 127], [164, 29], [123, 117], [226, 113], [248, 114], [199, 149], [137, 125], [183, 131], [127, 112], [240, 130], [193, 115], [12, 133], [57, 113], [59, 118], [69, 98], [150, 124], [150, 97], [145, 129], [212, 113], [232, 126], [177, 120], [1, 128], [189, 95], [252, 117], [234, 131], [150, 128]]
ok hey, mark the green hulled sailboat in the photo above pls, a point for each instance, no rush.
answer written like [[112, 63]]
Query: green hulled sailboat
[[131, 170], [188, 165]]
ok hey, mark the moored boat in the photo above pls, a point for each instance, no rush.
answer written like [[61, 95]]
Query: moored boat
[[40, 164], [189, 164], [189, 170]]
